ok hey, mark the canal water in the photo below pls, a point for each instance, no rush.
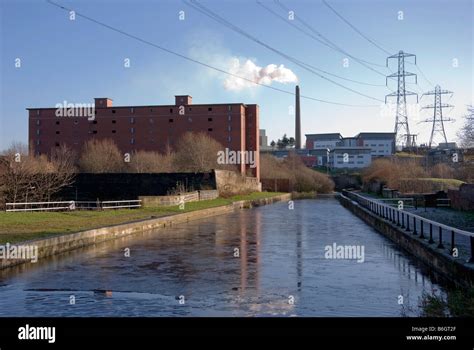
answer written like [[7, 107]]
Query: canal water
[[266, 261]]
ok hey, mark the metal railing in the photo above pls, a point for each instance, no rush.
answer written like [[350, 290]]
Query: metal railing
[[134, 203], [72, 205], [417, 225]]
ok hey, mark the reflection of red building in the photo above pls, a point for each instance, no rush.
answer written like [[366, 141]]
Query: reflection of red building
[[149, 128]]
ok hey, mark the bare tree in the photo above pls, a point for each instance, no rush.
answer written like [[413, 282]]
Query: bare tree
[[150, 162], [101, 156], [466, 133], [197, 152], [24, 177]]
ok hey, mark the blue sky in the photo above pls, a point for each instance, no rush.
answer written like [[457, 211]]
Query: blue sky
[[78, 60]]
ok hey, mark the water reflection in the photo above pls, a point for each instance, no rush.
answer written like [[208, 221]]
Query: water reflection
[[280, 270]]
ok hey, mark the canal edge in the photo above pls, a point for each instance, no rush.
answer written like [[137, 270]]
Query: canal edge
[[455, 271], [63, 243]]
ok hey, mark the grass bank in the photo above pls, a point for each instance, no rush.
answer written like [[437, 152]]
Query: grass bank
[[22, 226]]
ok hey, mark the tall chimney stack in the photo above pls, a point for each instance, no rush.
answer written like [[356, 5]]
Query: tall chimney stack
[[297, 120]]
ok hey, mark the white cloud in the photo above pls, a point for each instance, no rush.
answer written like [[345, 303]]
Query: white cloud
[[247, 69]]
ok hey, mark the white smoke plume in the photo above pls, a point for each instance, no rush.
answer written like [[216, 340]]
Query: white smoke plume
[[261, 75]]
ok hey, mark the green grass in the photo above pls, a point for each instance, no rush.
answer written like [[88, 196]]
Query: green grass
[[22, 226], [449, 182]]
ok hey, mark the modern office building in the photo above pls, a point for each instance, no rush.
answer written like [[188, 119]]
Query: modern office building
[[148, 128]]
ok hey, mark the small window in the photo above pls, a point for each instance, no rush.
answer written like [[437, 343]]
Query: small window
[[229, 108], [151, 121], [37, 131], [209, 119], [38, 122], [113, 111], [94, 132], [229, 139], [57, 144], [114, 131], [209, 129], [38, 112], [132, 120], [132, 130], [57, 123], [190, 120], [209, 109], [114, 121], [171, 110], [94, 122], [170, 120], [38, 142], [132, 141], [76, 122], [230, 117], [57, 132], [229, 128], [132, 110], [151, 109]]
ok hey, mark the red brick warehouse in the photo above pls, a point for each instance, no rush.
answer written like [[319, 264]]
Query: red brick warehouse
[[149, 128]]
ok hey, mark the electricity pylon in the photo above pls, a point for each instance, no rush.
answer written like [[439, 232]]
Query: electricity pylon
[[402, 130], [438, 120]]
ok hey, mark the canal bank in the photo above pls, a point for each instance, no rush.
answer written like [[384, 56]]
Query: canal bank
[[58, 244], [455, 270]]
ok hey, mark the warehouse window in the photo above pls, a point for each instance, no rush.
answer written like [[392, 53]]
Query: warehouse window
[[113, 111], [170, 120], [209, 109], [94, 132], [229, 108], [57, 132], [114, 121], [38, 122], [209, 119], [132, 130], [38, 112], [37, 131], [57, 123], [57, 144], [132, 110], [132, 120], [171, 110], [230, 117], [132, 141], [209, 129], [114, 131]]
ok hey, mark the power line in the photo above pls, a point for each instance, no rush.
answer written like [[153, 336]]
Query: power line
[[201, 8], [356, 30], [132, 36], [326, 41]]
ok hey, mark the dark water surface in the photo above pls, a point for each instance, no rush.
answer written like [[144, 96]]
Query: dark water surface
[[281, 260]]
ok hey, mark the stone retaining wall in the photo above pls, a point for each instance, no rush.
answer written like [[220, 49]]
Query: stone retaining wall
[[455, 270]]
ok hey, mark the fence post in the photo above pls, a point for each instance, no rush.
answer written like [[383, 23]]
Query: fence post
[[408, 223], [414, 226], [398, 218], [403, 220], [452, 242], [421, 229], [440, 245], [471, 239], [431, 234]]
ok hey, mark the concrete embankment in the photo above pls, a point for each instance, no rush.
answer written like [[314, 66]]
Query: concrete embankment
[[62, 243], [455, 270]]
